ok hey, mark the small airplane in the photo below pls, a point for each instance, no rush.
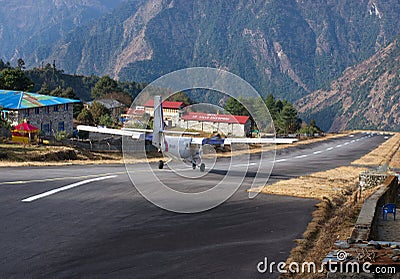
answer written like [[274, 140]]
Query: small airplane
[[184, 147]]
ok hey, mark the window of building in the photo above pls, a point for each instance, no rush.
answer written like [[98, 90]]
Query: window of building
[[26, 112], [46, 128], [61, 126], [46, 110], [55, 108], [37, 110], [65, 107]]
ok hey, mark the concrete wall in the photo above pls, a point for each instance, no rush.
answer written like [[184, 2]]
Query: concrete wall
[[366, 225]]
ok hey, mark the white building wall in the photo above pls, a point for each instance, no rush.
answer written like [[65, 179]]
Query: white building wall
[[228, 129]]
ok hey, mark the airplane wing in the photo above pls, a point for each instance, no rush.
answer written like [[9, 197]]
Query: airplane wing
[[164, 131], [229, 141], [103, 130], [140, 134], [260, 140]]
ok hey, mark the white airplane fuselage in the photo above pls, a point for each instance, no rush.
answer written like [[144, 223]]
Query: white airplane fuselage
[[181, 148]]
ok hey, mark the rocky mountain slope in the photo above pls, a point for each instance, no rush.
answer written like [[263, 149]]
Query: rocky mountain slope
[[287, 48], [29, 28], [366, 96]]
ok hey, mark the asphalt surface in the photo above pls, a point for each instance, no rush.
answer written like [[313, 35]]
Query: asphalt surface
[[105, 228]]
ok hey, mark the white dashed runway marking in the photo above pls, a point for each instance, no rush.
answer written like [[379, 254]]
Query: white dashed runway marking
[[55, 191], [325, 150]]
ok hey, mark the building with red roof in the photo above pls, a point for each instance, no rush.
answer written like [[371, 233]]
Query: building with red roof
[[227, 124], [165, 104], [171, 111]]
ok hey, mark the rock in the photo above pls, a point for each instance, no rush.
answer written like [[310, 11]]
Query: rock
[[372, 243], [351, 240], [396, 252], [393, 246], [395, 258], [342, 244]]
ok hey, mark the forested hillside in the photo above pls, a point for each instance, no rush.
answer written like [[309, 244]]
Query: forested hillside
[[49, 78]]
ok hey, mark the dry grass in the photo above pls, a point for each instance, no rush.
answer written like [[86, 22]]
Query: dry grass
[[381, 155], [332, 220], [317, 185], [395, 162], [34, 155]]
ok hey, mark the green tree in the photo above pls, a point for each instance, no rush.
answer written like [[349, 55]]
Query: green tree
[[85, 117], [270, 102], [310, 129], [105, 85], [64, 93], [279, 106], [21, 64], [2, 64], [3, 122], [15, 79], [44, 90], [313, 124], [235, 107], [97, 111], [106, 120], [180, 97], [288, 121]]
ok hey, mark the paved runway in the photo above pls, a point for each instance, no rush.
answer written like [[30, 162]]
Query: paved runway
[[98, 225]]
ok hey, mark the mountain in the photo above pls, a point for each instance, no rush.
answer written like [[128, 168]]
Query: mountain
[[29, 28], [366, 96], [288, 48]]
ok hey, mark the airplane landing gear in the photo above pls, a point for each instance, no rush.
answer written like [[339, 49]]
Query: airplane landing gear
[[161, 164]]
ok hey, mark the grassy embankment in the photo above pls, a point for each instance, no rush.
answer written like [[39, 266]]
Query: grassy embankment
[[40, 155], [340, 203]]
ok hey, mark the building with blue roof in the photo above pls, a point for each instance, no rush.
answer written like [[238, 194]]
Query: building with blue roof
[[50, 114]]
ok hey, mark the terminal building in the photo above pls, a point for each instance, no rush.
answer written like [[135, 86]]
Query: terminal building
[[227, 124]]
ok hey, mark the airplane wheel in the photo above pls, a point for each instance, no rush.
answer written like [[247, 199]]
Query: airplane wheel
[[160, 164], [194, 166], [202, 167]]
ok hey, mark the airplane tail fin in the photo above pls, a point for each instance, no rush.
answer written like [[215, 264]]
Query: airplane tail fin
[[158, 123]]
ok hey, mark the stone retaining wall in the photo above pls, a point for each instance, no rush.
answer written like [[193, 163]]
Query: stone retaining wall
[[366, 225], [371, 179]]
